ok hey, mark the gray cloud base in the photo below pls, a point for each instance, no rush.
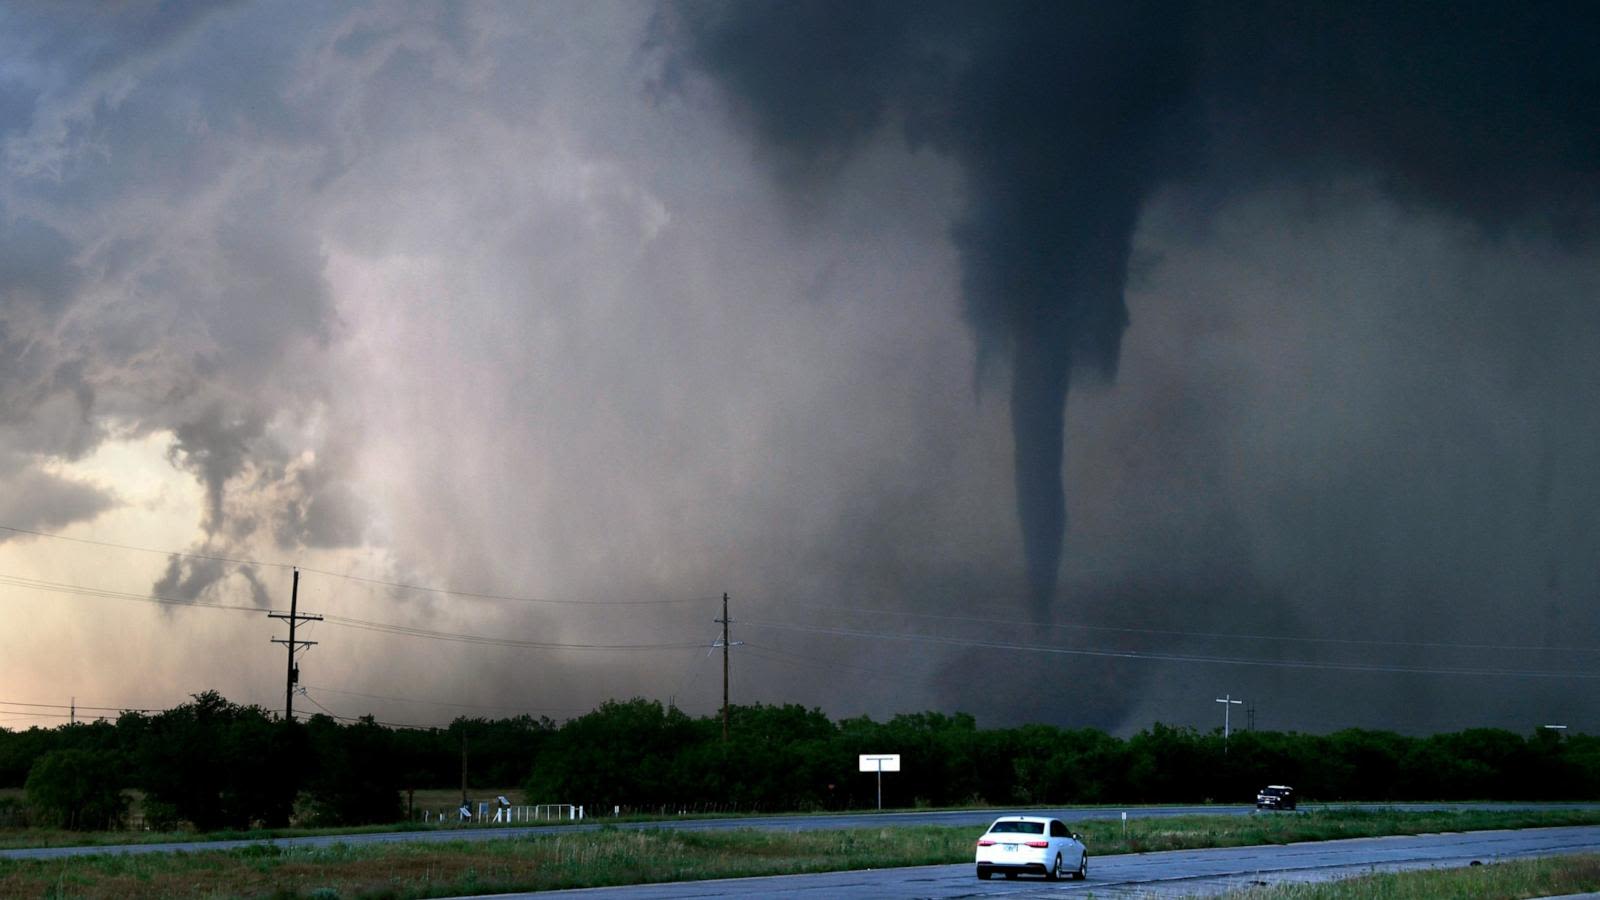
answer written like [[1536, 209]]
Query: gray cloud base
[[466, 289]]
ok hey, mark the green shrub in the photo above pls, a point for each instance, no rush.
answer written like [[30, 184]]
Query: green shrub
[[77, 789]]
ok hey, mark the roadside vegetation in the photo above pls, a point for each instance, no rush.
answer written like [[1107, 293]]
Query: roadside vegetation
[[1549, 876], [213, 766], [622, 856]]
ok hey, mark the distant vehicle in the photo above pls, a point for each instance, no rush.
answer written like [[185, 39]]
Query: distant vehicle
[[1032, 844], [1275, 796]]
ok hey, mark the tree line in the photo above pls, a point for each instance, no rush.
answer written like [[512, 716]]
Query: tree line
[[211, 764]]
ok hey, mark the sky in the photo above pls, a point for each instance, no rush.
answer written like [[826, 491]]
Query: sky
[[1072, 363]]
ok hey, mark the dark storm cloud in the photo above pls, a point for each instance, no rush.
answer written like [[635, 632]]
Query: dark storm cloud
[[1065, 118], [38, 500], [46, 389], [193, 578], [156, 267], [440, 295], [216, 445], [1062, 118], [1481, 108]]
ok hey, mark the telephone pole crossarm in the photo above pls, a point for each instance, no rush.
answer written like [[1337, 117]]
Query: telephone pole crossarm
[[294, 617], [1228, 703]]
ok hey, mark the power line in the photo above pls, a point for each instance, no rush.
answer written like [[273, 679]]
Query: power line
[[80, 706], [431, 634], [784, 656], [331, 714], [329, 690], [691, 672], [1165, 657], [9, 715], [399, 585], [362, 624], [60, 588], [1200, 634], [111, 544]]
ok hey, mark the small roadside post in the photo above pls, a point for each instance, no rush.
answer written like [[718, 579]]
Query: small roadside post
[[880, 763]]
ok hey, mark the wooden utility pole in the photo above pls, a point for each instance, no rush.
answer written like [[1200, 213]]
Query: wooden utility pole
[[294, 617], [724, 621]]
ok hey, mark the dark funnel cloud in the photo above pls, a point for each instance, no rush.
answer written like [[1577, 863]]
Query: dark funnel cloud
[[1066, 117], [1062, 117]]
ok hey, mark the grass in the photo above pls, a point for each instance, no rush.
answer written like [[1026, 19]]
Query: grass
[[1514, 880], [1194, 832], [621, 856], [448, 800], [592, 859], [434, 799]]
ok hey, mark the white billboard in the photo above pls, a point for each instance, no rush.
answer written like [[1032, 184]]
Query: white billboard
[[880, 762]]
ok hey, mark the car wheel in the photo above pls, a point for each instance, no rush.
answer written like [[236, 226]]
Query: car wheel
[[1010, 875], [1055, 870], [1083, 867], [984, 874]]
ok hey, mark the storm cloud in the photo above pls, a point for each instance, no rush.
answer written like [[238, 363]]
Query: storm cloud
[[1065, 118], [605, 302]]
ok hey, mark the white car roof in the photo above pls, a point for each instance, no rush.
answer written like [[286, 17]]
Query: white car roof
[[1045, 819]]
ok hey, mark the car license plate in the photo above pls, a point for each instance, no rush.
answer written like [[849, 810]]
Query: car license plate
[[1009, 847]]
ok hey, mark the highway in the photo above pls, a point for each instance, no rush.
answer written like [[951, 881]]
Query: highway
[[1172, 874], [977, 818]]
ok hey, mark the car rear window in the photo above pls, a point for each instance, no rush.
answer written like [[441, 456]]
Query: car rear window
[[1016, 828]]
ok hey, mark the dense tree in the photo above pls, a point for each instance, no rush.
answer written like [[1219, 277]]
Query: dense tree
[[619, 754], [214, 764], [77, 789], [221, 765], [356, 774]]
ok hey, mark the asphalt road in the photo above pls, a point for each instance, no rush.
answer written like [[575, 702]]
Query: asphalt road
[[975, 818], [1179, 873]]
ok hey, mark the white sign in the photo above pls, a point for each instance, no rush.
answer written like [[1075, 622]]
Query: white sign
[[880, 762]]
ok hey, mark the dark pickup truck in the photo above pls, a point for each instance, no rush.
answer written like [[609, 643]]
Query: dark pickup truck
[[1275, 796]]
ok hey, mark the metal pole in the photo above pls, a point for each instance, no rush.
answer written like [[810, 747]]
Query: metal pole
[[880, 785], [1228, 703]]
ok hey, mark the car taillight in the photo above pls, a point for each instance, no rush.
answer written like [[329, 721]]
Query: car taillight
[[985, 842], [1038, 843]]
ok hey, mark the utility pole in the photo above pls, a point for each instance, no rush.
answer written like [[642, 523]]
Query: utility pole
[[294, 617], [724, 620], [74, 710], [1228, 703], [463, 765]]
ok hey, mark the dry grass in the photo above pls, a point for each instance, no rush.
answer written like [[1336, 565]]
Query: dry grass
[[431, 869], [1515, 880], [1193, 832], [620, 856]]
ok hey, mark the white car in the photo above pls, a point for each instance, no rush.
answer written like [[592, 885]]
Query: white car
[[1033, 844]]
